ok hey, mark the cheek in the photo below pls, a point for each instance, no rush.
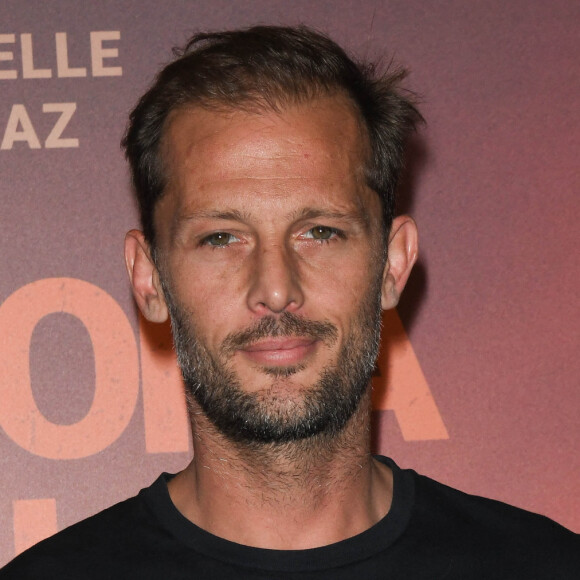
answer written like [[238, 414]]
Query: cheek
[[211, 296], [214, 291], [340, 294]]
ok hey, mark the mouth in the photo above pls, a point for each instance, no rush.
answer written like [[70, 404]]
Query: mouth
[[281, 351]]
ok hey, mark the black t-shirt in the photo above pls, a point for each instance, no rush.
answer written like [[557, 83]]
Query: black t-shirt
[[431, 532]]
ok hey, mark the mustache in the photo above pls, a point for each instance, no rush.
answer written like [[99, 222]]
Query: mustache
[[287, 324]]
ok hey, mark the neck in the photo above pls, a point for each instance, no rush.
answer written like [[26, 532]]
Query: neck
[[295, 495]]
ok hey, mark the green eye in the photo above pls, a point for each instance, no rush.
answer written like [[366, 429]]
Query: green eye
[[322, 232], [218, 239]]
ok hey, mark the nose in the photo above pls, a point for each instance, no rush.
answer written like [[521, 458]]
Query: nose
[[274, 281]]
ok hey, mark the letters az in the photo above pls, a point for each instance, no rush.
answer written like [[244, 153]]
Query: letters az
[[19, 127]]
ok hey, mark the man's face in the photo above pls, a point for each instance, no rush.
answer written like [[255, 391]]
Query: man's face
[[271, 256]]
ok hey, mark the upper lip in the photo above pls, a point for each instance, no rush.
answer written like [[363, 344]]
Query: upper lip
[[280, 343]]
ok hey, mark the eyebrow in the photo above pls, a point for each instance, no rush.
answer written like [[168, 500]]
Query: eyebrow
[[233, 215], [307, 213], [230, 215], [313, 213], [302, 214]]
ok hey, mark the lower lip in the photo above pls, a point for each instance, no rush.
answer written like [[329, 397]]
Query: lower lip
[[280, 356]]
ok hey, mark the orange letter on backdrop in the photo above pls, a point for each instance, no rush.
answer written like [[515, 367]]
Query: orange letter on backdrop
[[34, 520], [402, 387], [116, 368]]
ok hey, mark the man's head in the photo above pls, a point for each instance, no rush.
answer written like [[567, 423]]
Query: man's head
[[269, 237], [268, 68]]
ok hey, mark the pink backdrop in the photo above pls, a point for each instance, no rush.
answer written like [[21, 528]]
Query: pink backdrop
[[482, 375]]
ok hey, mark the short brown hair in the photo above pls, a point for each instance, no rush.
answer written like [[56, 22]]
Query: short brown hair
[[267, 67]]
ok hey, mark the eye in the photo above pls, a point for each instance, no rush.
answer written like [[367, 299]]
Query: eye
[[321, 233], [218, 240]]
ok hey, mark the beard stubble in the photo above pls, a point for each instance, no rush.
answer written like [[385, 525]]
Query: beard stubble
[[273, 416]]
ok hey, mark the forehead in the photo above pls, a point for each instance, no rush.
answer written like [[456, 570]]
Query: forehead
[[316, 146]]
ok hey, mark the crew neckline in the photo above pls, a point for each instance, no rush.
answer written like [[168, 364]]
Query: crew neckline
[[350, 550]]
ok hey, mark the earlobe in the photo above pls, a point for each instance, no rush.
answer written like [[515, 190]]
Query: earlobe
[[144, 277], [402, 254]]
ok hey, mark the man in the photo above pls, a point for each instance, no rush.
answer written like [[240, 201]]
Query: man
[[265, 163]]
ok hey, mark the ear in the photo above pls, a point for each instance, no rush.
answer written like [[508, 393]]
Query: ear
[[402, 255], [144, 277]]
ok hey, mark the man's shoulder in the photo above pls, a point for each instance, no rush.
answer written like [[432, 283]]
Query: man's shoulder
[[484, 513], [92, 543], [486, 529]]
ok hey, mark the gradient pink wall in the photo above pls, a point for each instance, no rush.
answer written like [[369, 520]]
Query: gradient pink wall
[[483, 371]]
